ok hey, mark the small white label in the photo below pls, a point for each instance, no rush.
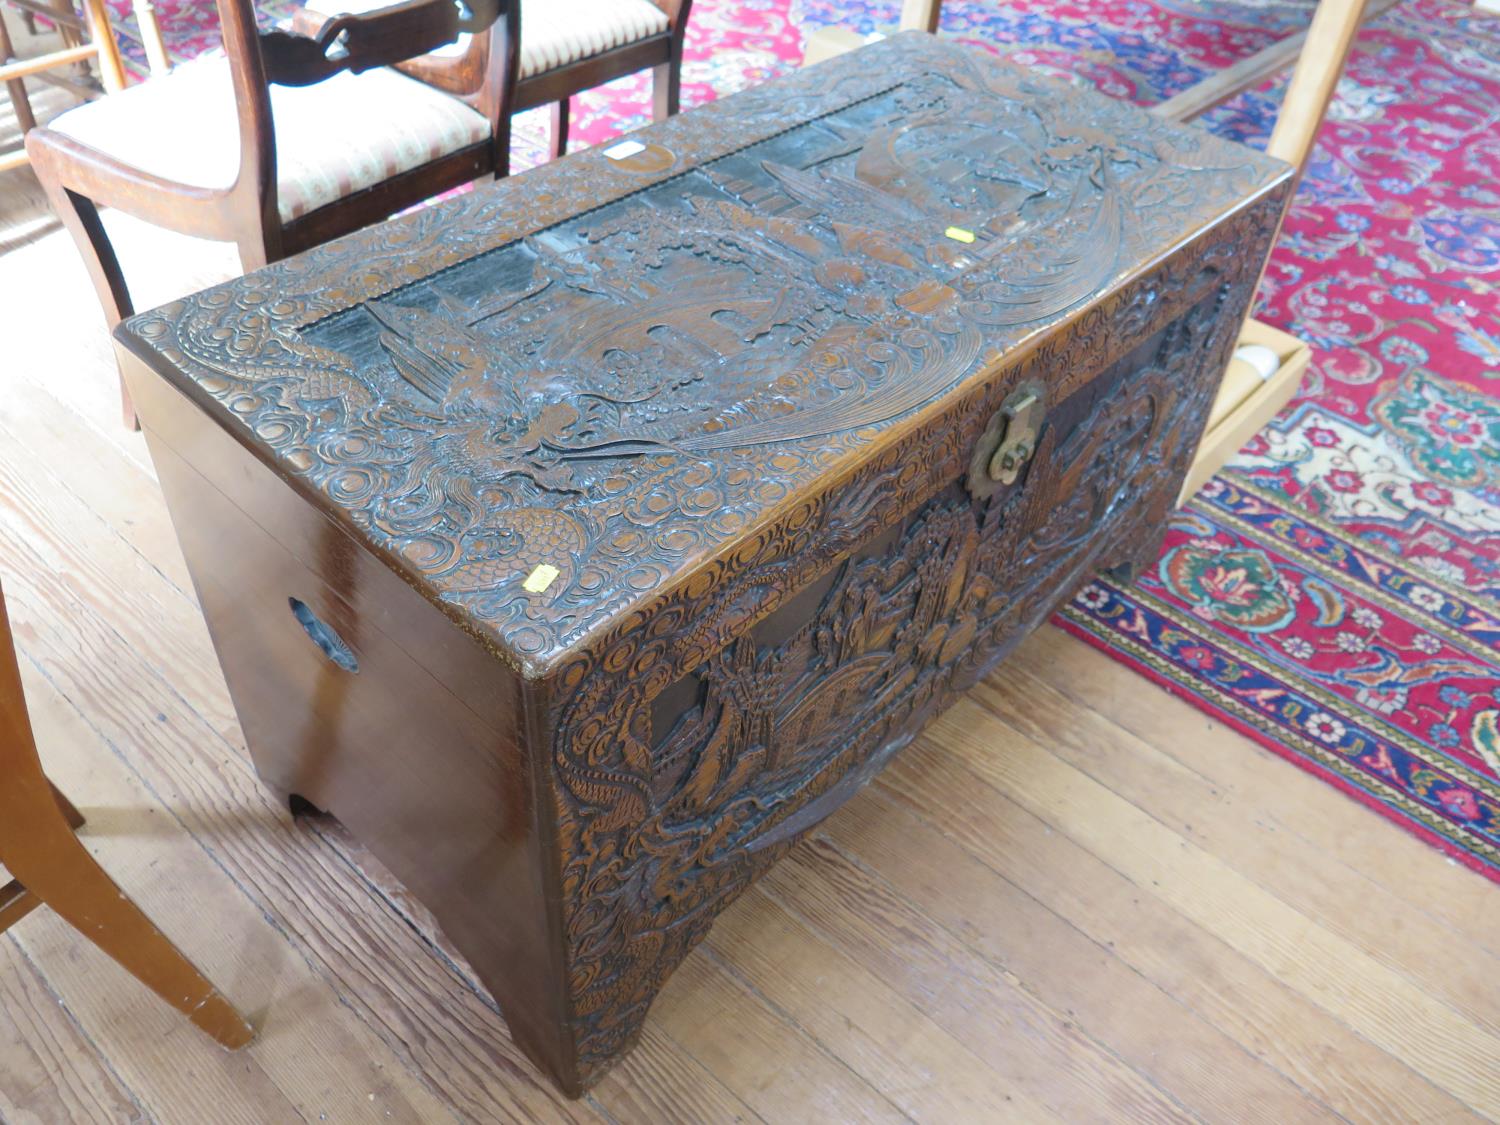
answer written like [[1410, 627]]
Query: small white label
[[624, 150]]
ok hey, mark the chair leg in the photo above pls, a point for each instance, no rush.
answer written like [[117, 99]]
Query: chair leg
[[16, 87], [67, 32], [502, 146], [156, 47], [111, 66], [70, 813], [52, 863], [81, 218], [666, 88], [559, 128], [255, 254]]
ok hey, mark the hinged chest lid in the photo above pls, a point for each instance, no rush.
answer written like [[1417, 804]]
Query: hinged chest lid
[[549, 400]]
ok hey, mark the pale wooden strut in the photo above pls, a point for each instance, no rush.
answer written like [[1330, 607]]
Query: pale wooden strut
[[1245, 405]]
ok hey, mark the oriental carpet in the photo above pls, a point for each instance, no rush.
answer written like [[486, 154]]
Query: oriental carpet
[[1335, 593]]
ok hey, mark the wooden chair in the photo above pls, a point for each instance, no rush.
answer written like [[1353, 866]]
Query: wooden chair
[[542, 52], [50, 866], [84, 39], [283, 142]]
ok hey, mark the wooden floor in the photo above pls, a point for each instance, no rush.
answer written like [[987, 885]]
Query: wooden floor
[[1075, 899]]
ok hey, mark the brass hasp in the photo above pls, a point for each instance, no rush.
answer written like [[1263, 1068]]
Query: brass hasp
[[1008, 442]]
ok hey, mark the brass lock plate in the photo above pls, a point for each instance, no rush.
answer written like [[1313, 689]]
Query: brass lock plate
[[1008, 442]]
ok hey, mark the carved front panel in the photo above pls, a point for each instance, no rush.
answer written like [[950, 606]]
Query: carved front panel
[[676, 791]]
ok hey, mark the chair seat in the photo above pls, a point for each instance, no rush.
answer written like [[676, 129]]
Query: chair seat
[[333, 139], [553, 32], [557, 32]]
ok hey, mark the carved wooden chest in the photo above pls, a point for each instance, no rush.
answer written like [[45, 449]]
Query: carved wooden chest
[[583, 541]]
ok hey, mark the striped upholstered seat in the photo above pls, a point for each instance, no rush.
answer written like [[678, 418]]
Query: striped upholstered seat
[[557, 32], [553, 32], [332, 139]]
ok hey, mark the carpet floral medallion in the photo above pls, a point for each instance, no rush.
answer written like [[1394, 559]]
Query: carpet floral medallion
[[1335, 592]]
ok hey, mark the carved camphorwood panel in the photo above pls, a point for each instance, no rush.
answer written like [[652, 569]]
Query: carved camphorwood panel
[[736, 329]]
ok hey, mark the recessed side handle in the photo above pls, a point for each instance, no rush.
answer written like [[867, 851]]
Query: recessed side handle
[[322, 634]]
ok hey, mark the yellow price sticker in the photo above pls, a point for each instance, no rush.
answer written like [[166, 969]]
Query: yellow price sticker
[[540, 578]]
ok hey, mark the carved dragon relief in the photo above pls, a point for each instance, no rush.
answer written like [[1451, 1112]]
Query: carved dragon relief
[[734, 332]]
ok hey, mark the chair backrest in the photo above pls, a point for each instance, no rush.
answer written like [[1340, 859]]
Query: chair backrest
[[258, 59], [485, 73]]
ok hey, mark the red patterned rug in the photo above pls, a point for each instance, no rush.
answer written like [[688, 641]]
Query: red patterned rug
[[1333, 594]]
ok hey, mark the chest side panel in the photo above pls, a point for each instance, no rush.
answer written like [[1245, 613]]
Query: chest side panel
[[697, 744], [356, 694]]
